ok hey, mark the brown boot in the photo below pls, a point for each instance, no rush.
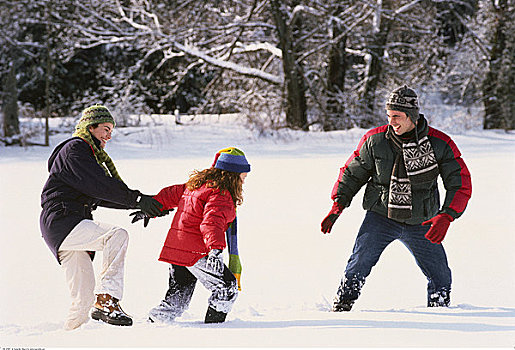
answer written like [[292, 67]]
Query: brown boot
[[108, 310]]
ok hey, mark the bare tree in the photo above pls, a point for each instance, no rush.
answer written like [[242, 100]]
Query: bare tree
[[498, 95], [336, 70], [11, 125], [322, 62], [286, 23], [375, 52]]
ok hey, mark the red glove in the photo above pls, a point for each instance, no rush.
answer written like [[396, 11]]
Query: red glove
[[439, 225], [330, 219]]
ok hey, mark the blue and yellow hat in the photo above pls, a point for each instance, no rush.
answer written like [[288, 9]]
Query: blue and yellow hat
[[231, 159]]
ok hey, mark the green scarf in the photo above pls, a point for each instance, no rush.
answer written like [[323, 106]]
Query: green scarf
[[101, 156]]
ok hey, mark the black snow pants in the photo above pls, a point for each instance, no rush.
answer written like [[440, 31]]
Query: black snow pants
[[181, 284]]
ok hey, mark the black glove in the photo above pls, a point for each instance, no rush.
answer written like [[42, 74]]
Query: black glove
[[149, 205], [139, 215]]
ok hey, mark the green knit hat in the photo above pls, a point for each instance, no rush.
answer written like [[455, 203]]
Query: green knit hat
[[95, 114]]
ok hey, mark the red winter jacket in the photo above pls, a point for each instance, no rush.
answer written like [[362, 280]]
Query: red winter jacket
[[199, 225]]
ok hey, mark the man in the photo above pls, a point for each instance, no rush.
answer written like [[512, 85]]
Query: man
[[82, 177], [400, 163]]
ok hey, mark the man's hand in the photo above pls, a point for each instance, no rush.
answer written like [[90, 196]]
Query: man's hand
[[330, 219], [439, 225], [215, 262]]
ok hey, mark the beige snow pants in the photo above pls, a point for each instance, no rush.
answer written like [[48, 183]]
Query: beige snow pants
[[91, 235]]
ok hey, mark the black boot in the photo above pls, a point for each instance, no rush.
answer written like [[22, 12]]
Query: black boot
[[108, 310], [347, 293], [213, 316], [340, 305], [441, 298]]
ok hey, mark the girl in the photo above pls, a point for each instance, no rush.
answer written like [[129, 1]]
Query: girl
[[206, 206]]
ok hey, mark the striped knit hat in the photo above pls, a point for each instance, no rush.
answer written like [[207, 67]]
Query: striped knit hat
[[231, 159], [405, 100], [95, 114]]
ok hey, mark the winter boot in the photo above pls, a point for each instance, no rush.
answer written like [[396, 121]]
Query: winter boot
[[347, 293], [213, 316], [108, 310], [441, 298], [340, 305], [164, 313]]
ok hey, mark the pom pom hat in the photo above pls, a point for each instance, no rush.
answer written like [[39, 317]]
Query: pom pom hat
[[405, 100], [231, 159]]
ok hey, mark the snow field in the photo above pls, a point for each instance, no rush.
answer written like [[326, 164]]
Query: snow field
[[290, 269]]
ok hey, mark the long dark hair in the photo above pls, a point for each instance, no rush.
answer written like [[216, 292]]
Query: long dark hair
[[220, 179]]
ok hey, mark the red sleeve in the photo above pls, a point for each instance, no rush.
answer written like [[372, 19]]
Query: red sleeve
[[170, 196], [219, 211], [455, 176]]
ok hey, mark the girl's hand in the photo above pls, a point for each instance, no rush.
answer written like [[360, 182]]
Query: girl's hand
[[215, 262]]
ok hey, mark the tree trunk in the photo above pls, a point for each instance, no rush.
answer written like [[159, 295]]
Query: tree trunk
[[337, 66], [498, 96], [48, 74], [296, 115], [11, 125], [375, 48], [336, 69], [449, 15]]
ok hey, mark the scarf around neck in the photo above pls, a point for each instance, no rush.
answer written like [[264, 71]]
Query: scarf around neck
[[415, 163], [101, 156]]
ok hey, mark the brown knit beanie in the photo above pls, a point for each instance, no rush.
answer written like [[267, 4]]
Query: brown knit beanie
[[405, 100]]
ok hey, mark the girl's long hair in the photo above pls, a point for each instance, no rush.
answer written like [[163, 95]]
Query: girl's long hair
[[220, 179]]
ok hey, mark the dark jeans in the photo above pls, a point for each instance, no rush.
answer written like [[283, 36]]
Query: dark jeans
[[375, 234]]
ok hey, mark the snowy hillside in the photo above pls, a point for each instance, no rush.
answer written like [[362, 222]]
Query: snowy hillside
[[290, 269]]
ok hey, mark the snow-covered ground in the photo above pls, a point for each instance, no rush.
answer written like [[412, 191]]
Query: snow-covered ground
[[291, 270]]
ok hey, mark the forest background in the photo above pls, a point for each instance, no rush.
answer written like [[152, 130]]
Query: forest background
[[301, 64]]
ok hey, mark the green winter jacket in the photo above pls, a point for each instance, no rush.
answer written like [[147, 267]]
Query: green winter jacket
[[372, 162]]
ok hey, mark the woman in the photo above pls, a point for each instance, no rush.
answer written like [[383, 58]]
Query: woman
[[82, 177]]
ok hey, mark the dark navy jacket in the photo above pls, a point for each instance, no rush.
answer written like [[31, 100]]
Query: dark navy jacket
[[77, 184]]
